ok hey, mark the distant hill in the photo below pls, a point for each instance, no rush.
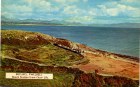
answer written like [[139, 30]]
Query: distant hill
[[5, 20], [126, 25], [119, 25]]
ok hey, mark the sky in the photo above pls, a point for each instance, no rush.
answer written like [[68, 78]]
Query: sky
[[83, 11]]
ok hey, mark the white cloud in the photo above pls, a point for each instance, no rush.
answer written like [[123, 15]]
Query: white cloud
[[87, 18], [125, 7], [128, 10], [42, 5], [60, 1], [130, 1], [29, 2], [72, 10], [15, 15], [118, 9], [112, 11], [108, 11], [92, 12], [81, 19], [7, 14], [18, 8], [66, 1]]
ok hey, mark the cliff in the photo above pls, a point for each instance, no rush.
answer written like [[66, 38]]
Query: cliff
[[23, 51]]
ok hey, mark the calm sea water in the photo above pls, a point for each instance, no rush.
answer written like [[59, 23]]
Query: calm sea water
[[116, 40]]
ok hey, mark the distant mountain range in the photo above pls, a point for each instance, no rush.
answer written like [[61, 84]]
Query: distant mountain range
[[5, 20], [120, 25]]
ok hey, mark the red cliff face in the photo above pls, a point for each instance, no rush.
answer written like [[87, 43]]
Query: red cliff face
[[63, 42]]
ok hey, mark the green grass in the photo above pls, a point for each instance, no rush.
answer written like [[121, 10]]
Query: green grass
[[47, 54], [59, 80], [38, 49]]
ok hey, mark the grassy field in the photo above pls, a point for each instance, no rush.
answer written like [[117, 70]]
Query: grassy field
[[46, 54]]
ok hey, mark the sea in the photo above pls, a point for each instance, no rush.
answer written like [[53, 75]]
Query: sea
[[116, 40]]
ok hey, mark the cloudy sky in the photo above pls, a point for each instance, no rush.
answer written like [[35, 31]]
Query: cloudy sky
[[84, 11]]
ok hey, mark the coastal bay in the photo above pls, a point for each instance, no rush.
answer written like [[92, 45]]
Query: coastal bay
[[116, 40]]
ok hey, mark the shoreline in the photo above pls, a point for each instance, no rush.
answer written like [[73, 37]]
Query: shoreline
[[103, 61], [121, 55]]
